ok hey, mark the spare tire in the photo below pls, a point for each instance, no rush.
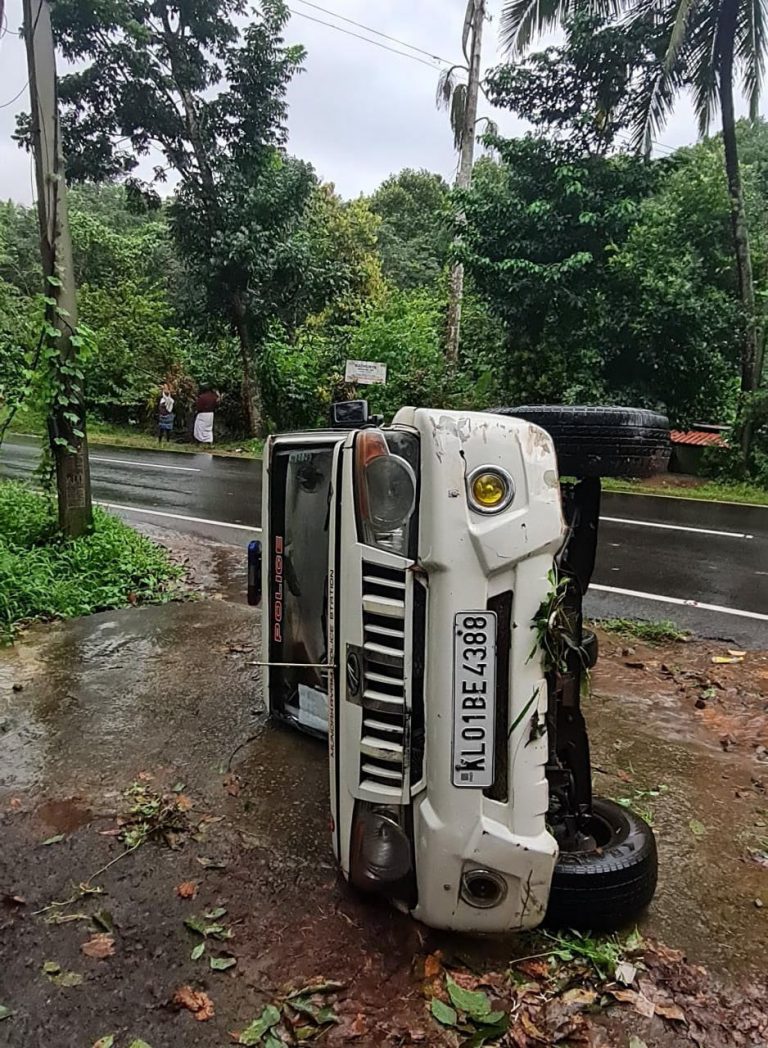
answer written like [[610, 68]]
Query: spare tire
[[607, 888], [602, 441]]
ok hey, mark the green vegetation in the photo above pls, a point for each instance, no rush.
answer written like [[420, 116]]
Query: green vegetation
[[42, 576], [707, 490], [652, 632]]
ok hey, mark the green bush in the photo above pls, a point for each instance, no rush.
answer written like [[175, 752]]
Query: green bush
[[43, 576]]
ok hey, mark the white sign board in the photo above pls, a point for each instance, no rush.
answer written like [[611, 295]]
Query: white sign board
[[365, 373]]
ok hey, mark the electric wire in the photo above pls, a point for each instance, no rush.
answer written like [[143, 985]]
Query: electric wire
[[366, 39]]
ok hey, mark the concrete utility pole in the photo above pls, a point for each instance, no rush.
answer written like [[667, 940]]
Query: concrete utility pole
[[472, 43], [66, 422]]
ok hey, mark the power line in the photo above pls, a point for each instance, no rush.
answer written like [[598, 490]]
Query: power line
[[376, 32], [367, 39], [17, 95]]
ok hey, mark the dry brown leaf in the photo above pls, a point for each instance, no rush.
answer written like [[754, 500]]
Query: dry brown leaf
[[624, 996], [534, 969], [432, 965], [579, 996], [183, 802], [99, 946], [200, 1004], [532, 1029], [232, 784], [187, 889], [643, 1006], [145, 776], [671, 1011]]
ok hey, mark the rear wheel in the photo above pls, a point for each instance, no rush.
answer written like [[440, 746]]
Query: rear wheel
[[602, 441], [607, 887]]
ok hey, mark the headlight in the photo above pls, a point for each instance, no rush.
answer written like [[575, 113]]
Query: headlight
[[386, 493], [490, 489], [380, 851]]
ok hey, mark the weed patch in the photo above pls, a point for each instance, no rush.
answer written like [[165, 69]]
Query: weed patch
[[44, 576], [652, 632]]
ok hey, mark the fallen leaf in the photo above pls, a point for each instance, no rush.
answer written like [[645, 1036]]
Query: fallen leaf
[[66, 979], [211, 864], [138, 1043], [256, 1030], [51, 967], [432, 965], [183, 802], [99, 946], [145, 776], [698, 828], [200, 1004], [580, 997], [443, 1012], [5, 1012], [726, 660], [198, 952], [644, 1006], [215, 914], [221, 964], [737, 654], [105, 1042], [625, 996], [187, 889], [232, 784], [635, 1042], [14, 900], [103, 919], [56, 839], [474, 1002], [670, 1011], [538, 969], [625, 973]]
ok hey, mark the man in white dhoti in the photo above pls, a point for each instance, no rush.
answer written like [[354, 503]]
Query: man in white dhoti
[[207, 402]]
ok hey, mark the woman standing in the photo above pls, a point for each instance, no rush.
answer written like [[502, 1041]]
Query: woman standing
[[165, 414], [207, 402]]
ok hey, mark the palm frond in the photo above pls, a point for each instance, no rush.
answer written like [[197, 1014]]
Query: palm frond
[[702, 59], [679, 33], [751, 48], [522, 20], [654, 109], [458, 114], [446, 85]]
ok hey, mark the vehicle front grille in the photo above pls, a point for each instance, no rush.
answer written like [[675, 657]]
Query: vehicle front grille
[[383, 739]]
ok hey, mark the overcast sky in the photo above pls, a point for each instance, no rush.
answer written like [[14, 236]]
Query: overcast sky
[[357, 112]]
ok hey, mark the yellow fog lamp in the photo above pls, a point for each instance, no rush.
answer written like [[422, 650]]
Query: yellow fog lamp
[[490, 489]]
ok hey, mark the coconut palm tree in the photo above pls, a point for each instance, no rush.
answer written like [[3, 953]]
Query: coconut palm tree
[[711, 47]]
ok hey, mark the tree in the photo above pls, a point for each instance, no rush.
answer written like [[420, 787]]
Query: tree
[[414, 235], [182, 79], [708, 45], [542, 225]]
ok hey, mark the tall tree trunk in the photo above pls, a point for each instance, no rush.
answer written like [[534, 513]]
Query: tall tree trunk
[[251, 392], [742, 254], [464, 174]]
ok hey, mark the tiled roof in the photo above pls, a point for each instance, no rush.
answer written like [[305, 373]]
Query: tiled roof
[[699, 437]]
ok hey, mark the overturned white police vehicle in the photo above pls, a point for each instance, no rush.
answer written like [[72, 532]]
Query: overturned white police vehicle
[[422, 588]]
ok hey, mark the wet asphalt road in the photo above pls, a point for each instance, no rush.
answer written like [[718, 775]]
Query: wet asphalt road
[[650, 547]]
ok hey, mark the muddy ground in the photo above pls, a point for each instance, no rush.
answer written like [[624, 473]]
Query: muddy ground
[[104, 714]]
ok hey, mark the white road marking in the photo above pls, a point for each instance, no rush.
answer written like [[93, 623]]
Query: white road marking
[[143, 465], [677, 527], [178, 516], [678, 600]]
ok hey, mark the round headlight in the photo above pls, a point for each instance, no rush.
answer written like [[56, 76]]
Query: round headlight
[[490, 489], [391, 485]]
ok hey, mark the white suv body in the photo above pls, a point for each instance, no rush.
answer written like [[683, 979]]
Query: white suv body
[[402, 570]]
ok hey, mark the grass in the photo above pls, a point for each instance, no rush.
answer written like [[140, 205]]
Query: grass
[[43, 576], [652, 632], [28, 422], [706, 490]]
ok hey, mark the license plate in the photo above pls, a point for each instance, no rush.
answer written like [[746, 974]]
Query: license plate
[[474, 698]]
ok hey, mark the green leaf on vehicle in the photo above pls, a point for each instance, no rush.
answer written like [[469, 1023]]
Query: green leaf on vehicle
[[220, 964], [443, 1012], [5, 1012], [56, 839], [258, 1028], [198, 951], [698, 828], [474, 1002]]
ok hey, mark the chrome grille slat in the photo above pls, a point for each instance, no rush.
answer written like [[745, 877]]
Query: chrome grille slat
[[382, 745]]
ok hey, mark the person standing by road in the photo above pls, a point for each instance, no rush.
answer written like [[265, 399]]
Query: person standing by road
[[165, 415], [207, 402]]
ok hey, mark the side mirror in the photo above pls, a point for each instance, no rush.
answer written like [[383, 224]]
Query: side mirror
[[254, 572], [349, 414]]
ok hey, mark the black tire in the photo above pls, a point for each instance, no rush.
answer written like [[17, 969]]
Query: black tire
[[604, 890], [602, 442]]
